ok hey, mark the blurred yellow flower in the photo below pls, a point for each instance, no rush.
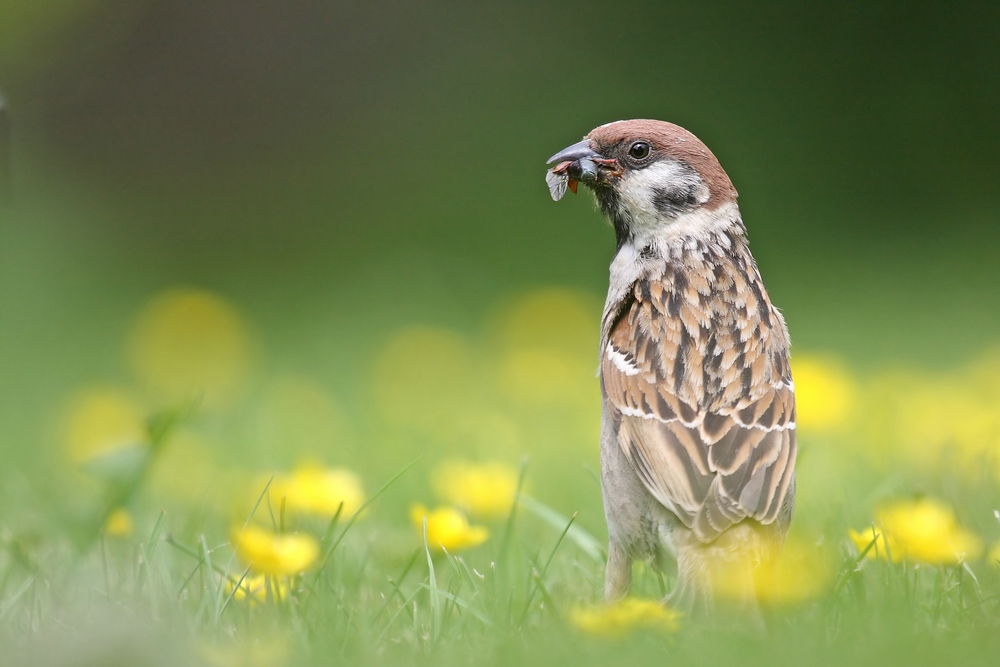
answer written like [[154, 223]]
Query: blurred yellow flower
[[825, 392], [266, 652], [448, 529], [925, 530], [269, 553], [880, 549], [254, 588], [800, 572], [100, 421], [557, 319], [188, 342], [549, 339], [119, 523], [481, 489], [426, 378], [994, 555], [317, 490], [614, 621]]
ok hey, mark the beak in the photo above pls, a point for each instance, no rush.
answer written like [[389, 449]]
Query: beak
[[577, 163], [577, 151]]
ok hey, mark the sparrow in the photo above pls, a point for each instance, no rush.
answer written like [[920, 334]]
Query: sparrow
[[698, 421]]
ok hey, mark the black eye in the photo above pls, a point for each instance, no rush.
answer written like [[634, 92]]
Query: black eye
[[639, 150]]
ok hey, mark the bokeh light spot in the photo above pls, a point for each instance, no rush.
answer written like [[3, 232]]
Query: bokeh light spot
[[99, 421], [187, 343], [825, 392], [482, 489]]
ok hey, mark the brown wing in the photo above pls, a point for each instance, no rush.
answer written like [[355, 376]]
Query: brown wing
[[697, 367]]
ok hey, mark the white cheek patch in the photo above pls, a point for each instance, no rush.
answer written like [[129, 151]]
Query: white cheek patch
[[638, 190]]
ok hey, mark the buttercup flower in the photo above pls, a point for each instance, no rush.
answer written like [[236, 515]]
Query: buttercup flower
[[825, 392], [186, 342], [320, 491], [994, 555], [254, 588], [800, 572], [924, 530], [119, 523], [484, 489], [448, 529], [882, 548], [548, 338], [614, 621], [100, 421], [269, 553]]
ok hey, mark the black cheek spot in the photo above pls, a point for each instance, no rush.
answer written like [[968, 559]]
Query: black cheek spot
[[674, 200]]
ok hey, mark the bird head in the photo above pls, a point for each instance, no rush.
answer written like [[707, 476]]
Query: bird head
[[646, 175]]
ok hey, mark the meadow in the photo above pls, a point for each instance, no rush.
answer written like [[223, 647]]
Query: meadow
[[297, 355], [157, 542]]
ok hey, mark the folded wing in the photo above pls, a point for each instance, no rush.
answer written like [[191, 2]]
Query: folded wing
[[696, 369]]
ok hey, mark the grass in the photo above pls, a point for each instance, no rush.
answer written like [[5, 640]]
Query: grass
[[175, 591], [106, 601]]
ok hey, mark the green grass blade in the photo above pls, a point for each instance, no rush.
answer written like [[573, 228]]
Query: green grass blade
[[581, 538], [154, 538]]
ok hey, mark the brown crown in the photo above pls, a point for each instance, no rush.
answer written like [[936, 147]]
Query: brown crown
[[675, 142]]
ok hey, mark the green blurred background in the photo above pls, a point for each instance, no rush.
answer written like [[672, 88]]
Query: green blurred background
[[363, 184]]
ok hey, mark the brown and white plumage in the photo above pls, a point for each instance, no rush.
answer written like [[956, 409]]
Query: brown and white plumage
[[698, 439]]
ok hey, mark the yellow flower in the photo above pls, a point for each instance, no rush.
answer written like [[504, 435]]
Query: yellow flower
[[925, 530], [613, 621], [254, 652], [483, 489], [101, 421], [825, 393], [316, 490], [862, 539], [800, 572], [188, 342], [548, 338], [270, 553], [448, 529], [994, 555], [254, 588], [119, 523]]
